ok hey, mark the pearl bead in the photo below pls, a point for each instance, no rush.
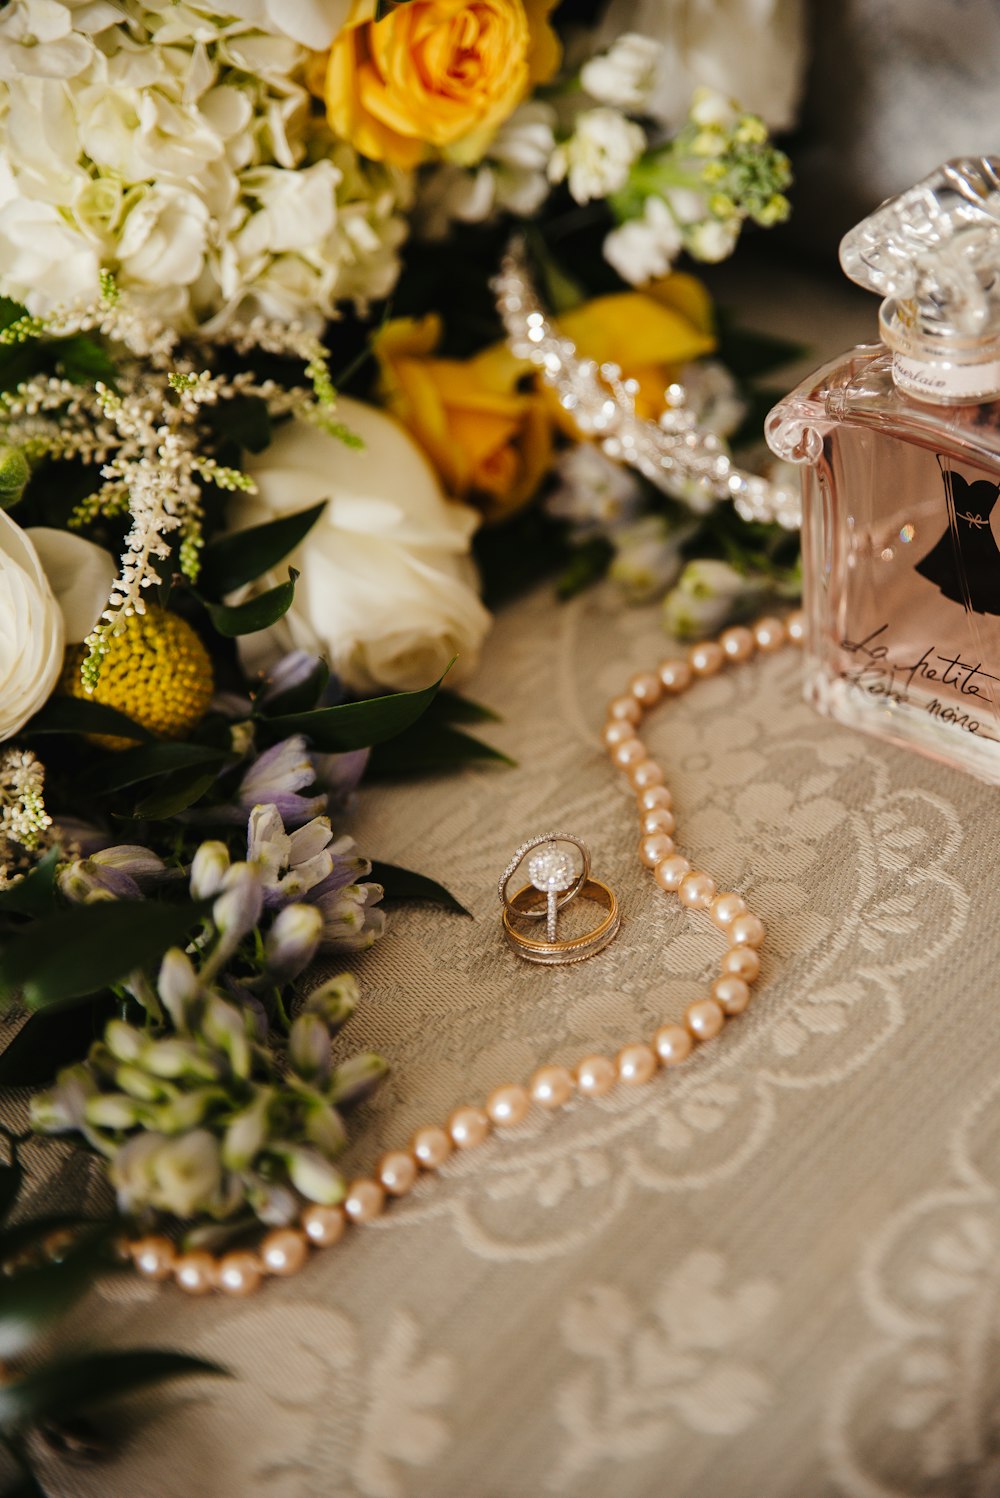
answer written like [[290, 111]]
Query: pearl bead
[[616, 732], [468, 1127], [596, 1075], [626, 709], [795, 627], [552, 1086], [636, 1064], [654, 848], [704, 1018], [696, 891], [737, 643], [655, 798], [154, 1257], [240, 1272], [732, 993], [726, 907], [431, 1145], [364, 1201], [645, 775], [397, 1172], [195, 1272], [508, 1105], [741, 962], [660, 820], [675, 675], [647, 688], [632, 752], [284, 1251], [669, 873], [706, 658], [770, 634], [746, 931], [323, 1226], [673, 1044]]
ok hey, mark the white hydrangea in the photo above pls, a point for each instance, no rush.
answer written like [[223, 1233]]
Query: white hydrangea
[[596, 158], [624, 76], [181, 151]]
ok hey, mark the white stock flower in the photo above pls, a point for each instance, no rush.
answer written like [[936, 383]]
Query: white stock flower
[[593, 493], [625, 75], [713, 239], [31, 630], [753, 50], [512, 176], [596, 158], [643, 249], [387, 590]]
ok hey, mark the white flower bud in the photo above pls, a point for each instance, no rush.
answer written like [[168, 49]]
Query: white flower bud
[[247, 1133], [626, 75], [112, 1110], [597, 157], [292, 941], [208, 869], [336, 1000], [225, 1027], [125, 1042], [178, 987], [313, 1176], [178, 1058], [238, 909], [309, 1048], [325, 1128], [357, 1078]]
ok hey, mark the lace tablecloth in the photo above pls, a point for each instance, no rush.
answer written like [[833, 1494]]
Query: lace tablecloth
[[773, 1273]]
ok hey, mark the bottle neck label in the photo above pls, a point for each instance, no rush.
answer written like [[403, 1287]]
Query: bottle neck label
[[949, 384]]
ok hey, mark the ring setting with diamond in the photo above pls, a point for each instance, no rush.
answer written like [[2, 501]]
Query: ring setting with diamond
[[558, 868]]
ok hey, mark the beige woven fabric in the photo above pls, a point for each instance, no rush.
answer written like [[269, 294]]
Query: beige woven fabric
[[773, 1273]]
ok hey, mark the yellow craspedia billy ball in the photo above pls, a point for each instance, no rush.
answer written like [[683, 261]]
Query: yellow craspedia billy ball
[[156, 671]]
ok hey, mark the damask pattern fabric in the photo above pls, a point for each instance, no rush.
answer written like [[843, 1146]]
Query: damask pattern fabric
[[773, 1271]]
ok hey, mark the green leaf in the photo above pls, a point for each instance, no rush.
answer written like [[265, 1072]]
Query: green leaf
[[85, 362], [77, 1384], [355, 725], [10, 1184], [242, 557], [257, 613], [48, 1041], [78, 715], [432, 749], [176, 794], [451, 708], [136, 765], [31, 1300], [587, 565], [35, 894], [79, 951], [748, 354], [404, 884]]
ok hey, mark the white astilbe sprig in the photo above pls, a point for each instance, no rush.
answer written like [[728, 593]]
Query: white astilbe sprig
[[25, 825], [148, 434]]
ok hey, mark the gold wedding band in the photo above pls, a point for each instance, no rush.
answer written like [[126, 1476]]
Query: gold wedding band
[[526, 904]]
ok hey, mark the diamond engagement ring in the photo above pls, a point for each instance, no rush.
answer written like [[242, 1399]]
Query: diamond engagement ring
[[557, 877]]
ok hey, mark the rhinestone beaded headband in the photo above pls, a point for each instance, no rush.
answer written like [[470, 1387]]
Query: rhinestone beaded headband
[[673, 453]]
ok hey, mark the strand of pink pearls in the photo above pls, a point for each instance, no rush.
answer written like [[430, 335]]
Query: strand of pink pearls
[[283, 1251]]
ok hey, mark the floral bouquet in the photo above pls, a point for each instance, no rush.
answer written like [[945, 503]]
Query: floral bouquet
[[258, 427]]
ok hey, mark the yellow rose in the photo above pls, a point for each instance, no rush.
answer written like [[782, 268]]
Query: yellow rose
[[649, 334], [435, 74], [490, 442]]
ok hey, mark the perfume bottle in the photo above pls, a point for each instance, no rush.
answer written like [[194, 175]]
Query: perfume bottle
[[900, 447]]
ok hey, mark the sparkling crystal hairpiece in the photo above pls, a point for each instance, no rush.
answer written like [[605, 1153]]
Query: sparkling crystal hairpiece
[[675, 453]]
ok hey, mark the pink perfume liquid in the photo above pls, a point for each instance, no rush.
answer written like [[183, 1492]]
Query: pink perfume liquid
[[901, 559]]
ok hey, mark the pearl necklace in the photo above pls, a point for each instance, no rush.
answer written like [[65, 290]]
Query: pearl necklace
[[283, 1251]]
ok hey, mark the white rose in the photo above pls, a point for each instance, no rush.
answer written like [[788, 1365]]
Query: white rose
[[43, 260], [31, 630], [625, 76], [80, 575], [387, 590], [596, 158], [752, 50], [643, 249], [163, 242]]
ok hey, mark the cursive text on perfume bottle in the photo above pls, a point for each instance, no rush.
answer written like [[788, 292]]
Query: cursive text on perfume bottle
[[877, 674]]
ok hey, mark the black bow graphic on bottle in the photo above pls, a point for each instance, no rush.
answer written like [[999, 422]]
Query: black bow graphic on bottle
[[965, 562]]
